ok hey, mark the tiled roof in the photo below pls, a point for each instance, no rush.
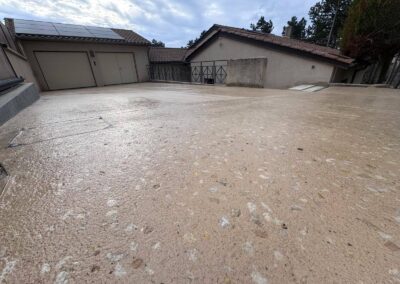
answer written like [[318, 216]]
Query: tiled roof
[[163, 54], [277, 41], [131, 36], [128, 37]]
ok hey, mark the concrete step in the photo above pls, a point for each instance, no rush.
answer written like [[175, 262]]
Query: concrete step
[[16, 99]]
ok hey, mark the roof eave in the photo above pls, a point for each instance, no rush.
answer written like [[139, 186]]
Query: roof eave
[[332, 61], [23, 37]]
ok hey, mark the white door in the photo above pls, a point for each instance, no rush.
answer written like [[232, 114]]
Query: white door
[[65, 70], [116, 68]]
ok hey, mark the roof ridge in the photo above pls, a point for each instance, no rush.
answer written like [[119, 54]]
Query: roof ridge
[[323, 52], [280, 37]]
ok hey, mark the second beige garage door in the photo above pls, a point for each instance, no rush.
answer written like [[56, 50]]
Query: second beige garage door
[[117, 68]]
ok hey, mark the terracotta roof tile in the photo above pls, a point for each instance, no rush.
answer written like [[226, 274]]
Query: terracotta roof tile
[[321, 51], [162, 54], [131, 36]]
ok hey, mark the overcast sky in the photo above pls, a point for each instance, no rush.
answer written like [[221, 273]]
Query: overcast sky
[[172, 21]]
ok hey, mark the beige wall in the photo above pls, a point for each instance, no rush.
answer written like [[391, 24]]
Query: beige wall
[[6, 71], [283, 70], [21, 67], [141, 56], [247, 72]]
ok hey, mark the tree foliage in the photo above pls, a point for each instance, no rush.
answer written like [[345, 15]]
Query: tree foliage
[[372, 32], [262, 26], [372, 29], [194, 41], [298, 28], [322, 17], [154, 42]]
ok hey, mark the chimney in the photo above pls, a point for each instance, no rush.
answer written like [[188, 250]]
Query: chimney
[[287, 31]]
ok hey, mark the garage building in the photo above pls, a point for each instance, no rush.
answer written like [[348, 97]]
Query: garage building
[[243, 57], [65, 56]]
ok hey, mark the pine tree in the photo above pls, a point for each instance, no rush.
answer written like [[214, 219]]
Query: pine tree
[[372, 32], [263, 26], [298, 28], [327, 18]]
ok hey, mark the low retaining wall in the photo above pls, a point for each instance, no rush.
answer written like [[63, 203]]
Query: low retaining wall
[[247, 72], [16, 99]]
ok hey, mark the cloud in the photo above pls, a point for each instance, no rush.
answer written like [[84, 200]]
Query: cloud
[[171, 21]]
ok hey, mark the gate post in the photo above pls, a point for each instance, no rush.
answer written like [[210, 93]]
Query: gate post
[[201, 73], [214, 73]]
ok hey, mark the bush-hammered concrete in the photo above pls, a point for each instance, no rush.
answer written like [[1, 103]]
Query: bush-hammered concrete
[[163, 183]]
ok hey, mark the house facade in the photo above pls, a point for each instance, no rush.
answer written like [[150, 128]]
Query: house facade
[[287, 62], [64, 56]]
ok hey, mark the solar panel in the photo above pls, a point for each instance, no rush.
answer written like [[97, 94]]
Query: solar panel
[[34, 27], [47, 28], [103, 33], [72, 30]]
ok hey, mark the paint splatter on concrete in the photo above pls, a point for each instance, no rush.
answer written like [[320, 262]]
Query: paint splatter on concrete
[[258, 278], [224, 222], [7, 269]]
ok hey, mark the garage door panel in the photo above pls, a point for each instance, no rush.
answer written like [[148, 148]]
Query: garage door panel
[[127, 67], [65, 70], [108, 68], [116, 68]]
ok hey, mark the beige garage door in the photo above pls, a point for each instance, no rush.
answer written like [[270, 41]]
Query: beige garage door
[[117, 68], [65, 70]]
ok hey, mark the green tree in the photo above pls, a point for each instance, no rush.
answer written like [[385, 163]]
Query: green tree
[[262, 26], [298, 28], [190, 43], [372, 32], [194, 41], [157, 43], [327, 18]]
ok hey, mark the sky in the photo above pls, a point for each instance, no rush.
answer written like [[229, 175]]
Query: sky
[[174, 22]]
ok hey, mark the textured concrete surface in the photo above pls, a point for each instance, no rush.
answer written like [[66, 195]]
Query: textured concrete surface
[[162, 183]]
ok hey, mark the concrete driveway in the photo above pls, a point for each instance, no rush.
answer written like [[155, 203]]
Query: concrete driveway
[[163, 183]]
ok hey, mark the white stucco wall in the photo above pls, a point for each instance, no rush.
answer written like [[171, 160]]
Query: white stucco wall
[[283, 69], [141, 56]]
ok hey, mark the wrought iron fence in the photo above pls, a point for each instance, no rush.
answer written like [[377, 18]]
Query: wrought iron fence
[[393, 75], [209, 72], [170, 72]]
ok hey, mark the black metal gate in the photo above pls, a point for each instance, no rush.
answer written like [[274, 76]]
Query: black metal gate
[[208, 72], [170, 72]]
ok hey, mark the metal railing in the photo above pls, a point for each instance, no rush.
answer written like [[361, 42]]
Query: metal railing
[[9, 83], [169, 72], [209, 72]]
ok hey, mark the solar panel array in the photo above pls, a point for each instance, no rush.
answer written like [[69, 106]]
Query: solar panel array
[[55, 29]]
